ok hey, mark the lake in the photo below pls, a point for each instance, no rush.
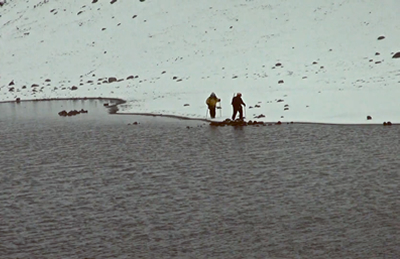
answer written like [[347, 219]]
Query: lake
[[97, 185]]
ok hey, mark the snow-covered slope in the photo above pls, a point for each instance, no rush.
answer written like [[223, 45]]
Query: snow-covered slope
[[320, 59]]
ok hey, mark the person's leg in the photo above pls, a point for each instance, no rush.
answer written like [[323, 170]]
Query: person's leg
[[241, 113], [234, 113], [212, 112]]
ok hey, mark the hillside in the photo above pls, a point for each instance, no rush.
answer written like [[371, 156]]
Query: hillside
[[324, 61]]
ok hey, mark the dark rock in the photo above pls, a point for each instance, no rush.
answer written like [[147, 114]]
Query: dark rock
[[133, 17], [105, 104], [73, 113], [130, 77], [112, 79], [397, 55], [369, 117], [11, 83], [260, 116], [73, 88], [83, 111], [175, 77], [186, 104], [279, 101], [113, 1], [279, 123], [18, 100], [11, 89], [257, 106], [381, 37], [389, 123], [63, 113], [377, 53], [94, 1], [34, 85], [280, 82], [278, 64], [24, 87], [135, 123], [237, 122]]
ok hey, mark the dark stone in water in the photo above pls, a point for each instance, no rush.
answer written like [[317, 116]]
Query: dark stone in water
[[64, 113], [237, 122]]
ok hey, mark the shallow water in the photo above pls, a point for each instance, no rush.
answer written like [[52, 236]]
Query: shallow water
[[93, 186]]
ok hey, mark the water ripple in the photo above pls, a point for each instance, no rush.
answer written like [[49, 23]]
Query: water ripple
[[101, 189]]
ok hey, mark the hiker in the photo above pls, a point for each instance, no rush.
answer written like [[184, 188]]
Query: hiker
[[212, 103], [237, 106]]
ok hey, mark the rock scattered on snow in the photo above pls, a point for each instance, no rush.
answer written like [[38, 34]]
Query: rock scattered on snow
[[397, 55]]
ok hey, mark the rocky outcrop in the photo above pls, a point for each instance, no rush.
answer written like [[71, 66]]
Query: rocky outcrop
[[237, 122], [240, 123], [64, 113]]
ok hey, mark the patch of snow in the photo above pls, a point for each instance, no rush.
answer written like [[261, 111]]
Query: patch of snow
[[335, 59]]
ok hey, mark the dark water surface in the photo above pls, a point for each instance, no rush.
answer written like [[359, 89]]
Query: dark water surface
[[94, 186]]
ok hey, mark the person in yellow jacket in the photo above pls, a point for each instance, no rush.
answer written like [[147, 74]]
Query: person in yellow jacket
[[212, 103]]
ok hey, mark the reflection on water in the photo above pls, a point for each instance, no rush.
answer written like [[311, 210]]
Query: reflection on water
[[93, 186]]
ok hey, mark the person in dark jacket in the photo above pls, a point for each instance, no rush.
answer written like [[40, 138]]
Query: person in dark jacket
[[212, 103], [237, 103]]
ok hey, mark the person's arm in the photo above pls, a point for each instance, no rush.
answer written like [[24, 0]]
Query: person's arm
[[242, 102]]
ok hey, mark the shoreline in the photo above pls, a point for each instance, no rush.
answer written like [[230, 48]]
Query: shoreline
[[119, 101]]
